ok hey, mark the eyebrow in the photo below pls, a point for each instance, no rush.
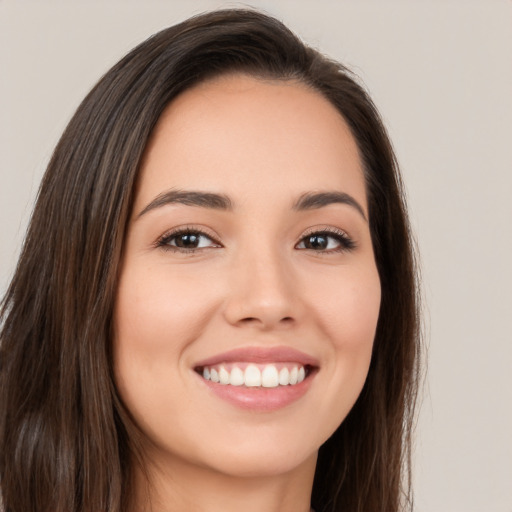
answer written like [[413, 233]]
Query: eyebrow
[[315, 200], [189, 198], [307, 201]]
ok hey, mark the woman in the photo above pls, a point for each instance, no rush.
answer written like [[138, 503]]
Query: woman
[[215, 305]]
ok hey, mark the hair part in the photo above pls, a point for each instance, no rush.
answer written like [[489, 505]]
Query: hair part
[[67, 443]]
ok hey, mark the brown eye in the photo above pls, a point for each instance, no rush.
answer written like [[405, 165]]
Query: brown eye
[[326, 241], [316, 242], [187, 241]]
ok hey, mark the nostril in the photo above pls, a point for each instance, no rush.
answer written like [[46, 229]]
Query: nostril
[[249, 319], [252, 319]]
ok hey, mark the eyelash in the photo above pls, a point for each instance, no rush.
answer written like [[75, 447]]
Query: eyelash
[[342, 239], [345, 242], [164, 241]]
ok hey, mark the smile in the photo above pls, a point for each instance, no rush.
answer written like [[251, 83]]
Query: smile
[[261, 379], [256, 375]]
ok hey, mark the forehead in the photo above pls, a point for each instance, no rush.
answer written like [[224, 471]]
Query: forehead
[[238, 134]]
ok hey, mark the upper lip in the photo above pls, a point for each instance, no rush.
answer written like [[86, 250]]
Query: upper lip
[[262, 355]]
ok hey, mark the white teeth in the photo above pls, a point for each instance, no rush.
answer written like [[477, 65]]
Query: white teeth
[[252, 376], [237, 377], [284, 377], [223, 375], [267, 376]]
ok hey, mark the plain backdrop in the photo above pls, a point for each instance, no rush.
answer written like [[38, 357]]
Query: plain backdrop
[[441, 74]]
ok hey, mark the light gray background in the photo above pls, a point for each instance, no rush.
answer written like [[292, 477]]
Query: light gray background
[[441, 73]]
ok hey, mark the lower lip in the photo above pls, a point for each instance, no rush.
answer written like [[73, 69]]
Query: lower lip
[[260, 398]]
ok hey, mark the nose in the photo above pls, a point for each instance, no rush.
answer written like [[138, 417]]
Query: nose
[[262, 292]]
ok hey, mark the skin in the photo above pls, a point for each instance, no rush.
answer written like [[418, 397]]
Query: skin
[[253, 282]]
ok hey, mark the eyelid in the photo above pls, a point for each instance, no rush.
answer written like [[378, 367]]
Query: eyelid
[[347, 243], [162, 240], [324, 229]]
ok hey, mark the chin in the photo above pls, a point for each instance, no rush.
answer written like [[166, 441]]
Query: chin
[[263, 463]]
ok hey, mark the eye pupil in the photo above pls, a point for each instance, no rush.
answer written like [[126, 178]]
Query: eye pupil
[[187, 240], [316, 242]]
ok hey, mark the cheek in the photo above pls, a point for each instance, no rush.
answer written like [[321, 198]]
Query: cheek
[[349, 309], [348, 316], [349, 321], [158, 312], [157, 316]]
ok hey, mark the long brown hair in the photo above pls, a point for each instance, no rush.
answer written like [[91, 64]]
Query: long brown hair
[[67, 444]]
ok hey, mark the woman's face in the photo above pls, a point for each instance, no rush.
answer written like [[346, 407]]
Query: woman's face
[[249, 295]]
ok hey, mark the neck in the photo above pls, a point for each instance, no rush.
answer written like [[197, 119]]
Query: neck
[[183, 487]]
